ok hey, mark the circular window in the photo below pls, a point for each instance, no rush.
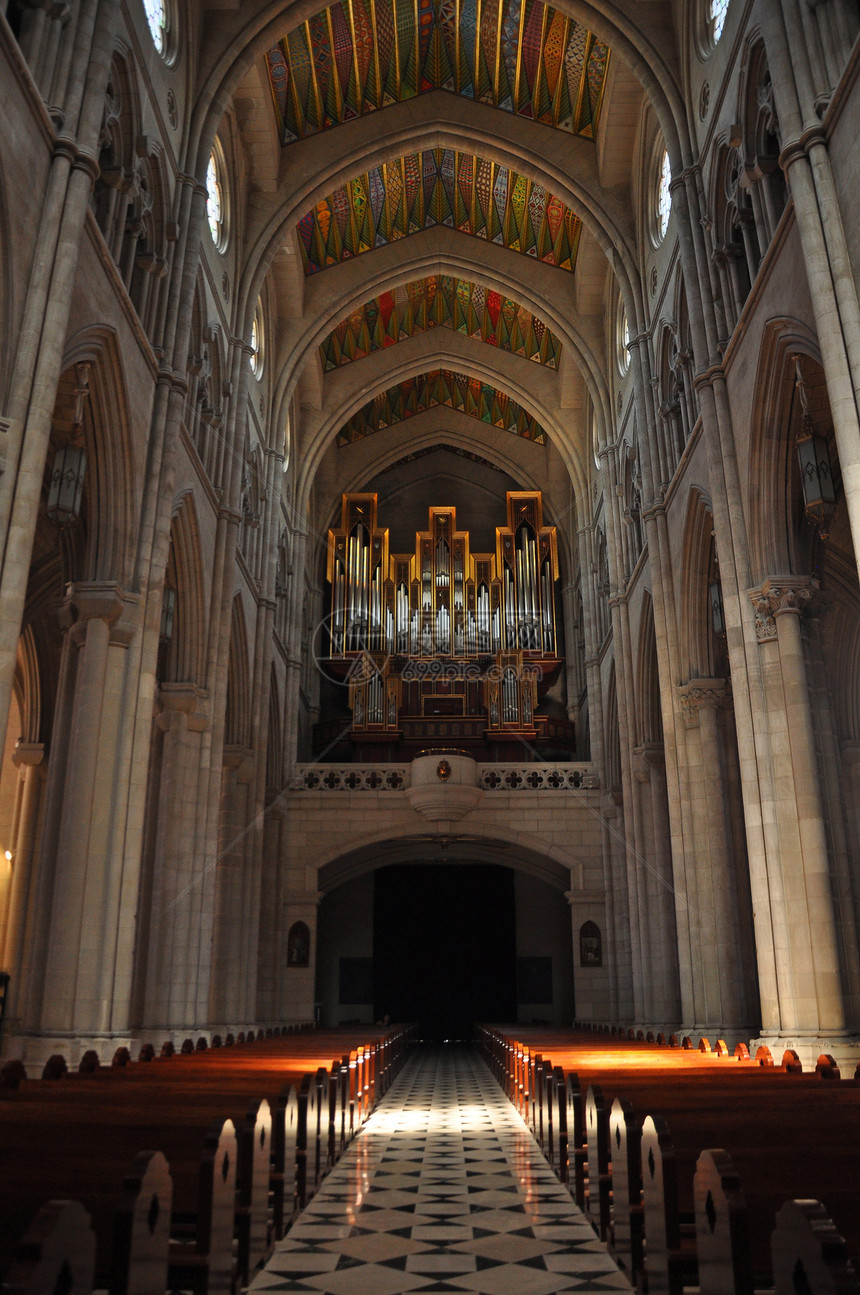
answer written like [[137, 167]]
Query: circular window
[[158, 19], [256, 358], [622, 339], [662, 198], [216, 200]]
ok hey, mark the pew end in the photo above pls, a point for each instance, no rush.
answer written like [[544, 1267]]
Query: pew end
[[57, 1253], [141, 1230], [809, 1254], [722, 1232]]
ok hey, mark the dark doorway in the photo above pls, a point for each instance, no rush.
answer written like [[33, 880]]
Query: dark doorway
[[444, 940]]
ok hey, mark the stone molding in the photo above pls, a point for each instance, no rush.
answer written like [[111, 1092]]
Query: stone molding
[[699, 693]]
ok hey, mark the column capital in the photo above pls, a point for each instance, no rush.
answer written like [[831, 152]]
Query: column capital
[[648, 756], [699, 693], [778, 596], [100, 600], [182, 699], [28, 753], [242, 760]]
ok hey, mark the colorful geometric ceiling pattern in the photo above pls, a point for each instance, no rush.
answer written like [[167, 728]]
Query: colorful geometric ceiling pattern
[[439, 187], [360, 55], [441, 387], [441, 301]]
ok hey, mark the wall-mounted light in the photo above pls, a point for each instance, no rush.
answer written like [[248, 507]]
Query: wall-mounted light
[[66, 487], [816, 472], [718, 615], [168, 613]]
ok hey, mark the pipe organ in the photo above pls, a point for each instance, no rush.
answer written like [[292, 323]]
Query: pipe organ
[[444, 643]]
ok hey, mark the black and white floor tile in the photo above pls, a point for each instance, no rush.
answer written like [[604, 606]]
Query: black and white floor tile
[[444, 1189]]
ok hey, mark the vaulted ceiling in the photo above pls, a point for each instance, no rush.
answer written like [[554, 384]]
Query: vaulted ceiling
[[473, 148], [359, 56]]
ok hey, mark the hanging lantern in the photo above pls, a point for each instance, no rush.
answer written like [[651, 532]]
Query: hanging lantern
[[168, 613], [718, 616], [67, 485], [816, 472]]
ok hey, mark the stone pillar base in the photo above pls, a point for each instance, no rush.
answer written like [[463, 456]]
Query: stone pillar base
[[844, 1049], [35, 1049]]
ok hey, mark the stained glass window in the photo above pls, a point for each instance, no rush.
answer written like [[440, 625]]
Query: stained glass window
[[719, 9], [622, 339], [214, 201], [156, 16], [664, 197], [257, 343]]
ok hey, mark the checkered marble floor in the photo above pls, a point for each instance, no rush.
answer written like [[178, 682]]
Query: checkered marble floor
[[444, 1189]]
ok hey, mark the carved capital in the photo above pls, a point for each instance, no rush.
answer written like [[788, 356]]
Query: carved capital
[[779, 596], [699, 693]]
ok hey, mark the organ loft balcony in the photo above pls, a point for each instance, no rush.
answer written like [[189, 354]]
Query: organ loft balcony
[[443, 648]]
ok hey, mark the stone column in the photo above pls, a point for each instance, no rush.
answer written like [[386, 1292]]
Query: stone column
[[83, 916], [719, 998], [664, 1003], [28, 757], [271, 949], [181, 886], [805, 158], [809, 957], [39, 356], [231, 974]]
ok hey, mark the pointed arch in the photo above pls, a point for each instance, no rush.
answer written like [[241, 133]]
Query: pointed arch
[[769, 503], [274, 738], [237, 724], [111, 485], [649, 715], [697, 641], [185, 662]]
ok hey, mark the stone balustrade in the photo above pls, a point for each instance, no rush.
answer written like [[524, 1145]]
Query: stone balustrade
[[490, 777]]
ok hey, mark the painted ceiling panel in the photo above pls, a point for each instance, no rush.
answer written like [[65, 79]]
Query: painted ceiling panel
[[441, 301], [441, 387], [357, 56], [439, 187]]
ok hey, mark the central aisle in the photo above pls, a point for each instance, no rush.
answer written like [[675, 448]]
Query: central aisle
[[444, 1189]]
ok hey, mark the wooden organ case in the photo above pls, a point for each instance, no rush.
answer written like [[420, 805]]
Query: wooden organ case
[[443, 647]]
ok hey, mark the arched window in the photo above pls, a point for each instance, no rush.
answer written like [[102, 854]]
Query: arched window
[[159, 19], [718, 11], [663, 198], [216, 198], [299, 945], [622, 339], [257, 339], [590, 945]]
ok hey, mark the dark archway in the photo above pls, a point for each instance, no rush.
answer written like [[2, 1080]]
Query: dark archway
[[445, 946]]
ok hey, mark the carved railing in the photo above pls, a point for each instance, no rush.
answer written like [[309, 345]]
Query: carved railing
[[352, 777], [490, 777], [536, 777]]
